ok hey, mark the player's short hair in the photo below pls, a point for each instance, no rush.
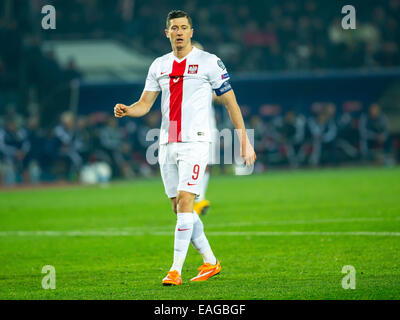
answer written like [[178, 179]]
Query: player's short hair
[[177, 14]]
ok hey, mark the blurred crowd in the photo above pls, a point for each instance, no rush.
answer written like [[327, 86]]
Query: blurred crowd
[[323, 138], [26, 70], [254, 36], [249, 36], [30, 153]]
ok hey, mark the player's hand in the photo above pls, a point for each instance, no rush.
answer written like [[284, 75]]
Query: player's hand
[[120, 110], [248, 154]]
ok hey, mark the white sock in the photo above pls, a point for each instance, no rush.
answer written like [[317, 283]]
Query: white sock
[[200, 241], [203, 187], [183, 234]]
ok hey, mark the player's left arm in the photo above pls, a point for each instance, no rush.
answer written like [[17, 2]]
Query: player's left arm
[[228, 99], [216, 99]]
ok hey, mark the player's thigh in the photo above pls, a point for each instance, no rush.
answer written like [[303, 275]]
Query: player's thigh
[[192, 162], [169, 169]]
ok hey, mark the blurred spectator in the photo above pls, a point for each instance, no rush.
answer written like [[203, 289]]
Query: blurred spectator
[[84, 139], [324, 131], [68, 146], [33, 157], [71, 71], [374, 134], [256, 123], [110, 142], [14, 147], [348, 136], [291, 136], [128, 166]]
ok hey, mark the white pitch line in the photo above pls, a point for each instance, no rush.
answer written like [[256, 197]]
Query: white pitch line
[[100, 233], [291, 222], [164, 230], [306, 233], [268, 223]]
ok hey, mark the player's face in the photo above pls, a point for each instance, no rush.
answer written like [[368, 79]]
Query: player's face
[[179, 32]]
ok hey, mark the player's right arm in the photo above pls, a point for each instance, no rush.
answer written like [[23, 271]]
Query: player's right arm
[[139, 108], [150, 93]]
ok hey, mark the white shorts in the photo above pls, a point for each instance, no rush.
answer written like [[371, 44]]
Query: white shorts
[[182, 166]]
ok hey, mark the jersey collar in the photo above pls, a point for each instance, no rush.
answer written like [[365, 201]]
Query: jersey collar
[[180, 60]]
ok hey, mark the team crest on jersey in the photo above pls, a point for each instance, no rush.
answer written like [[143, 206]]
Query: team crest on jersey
[[193, 68]]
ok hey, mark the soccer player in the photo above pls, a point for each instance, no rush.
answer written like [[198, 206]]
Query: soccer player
[[187, 77]]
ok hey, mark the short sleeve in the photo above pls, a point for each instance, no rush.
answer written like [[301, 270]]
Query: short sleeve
[[151, 80], [217, 72]]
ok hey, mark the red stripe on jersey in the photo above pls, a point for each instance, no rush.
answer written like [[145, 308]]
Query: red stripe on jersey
[[175, 101]]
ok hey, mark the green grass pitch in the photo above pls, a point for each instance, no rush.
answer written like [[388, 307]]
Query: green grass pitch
[[280, 235]]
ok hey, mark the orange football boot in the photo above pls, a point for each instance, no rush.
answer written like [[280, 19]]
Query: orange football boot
[[201, 207], [173, 278], [206, 271]]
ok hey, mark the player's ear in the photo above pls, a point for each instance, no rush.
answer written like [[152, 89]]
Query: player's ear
[[191, 33], [167, 33]]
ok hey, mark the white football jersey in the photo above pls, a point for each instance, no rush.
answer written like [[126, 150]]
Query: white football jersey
[[187, 86]]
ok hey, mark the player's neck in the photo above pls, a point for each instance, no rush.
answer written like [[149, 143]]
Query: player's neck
[[181, 53]]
